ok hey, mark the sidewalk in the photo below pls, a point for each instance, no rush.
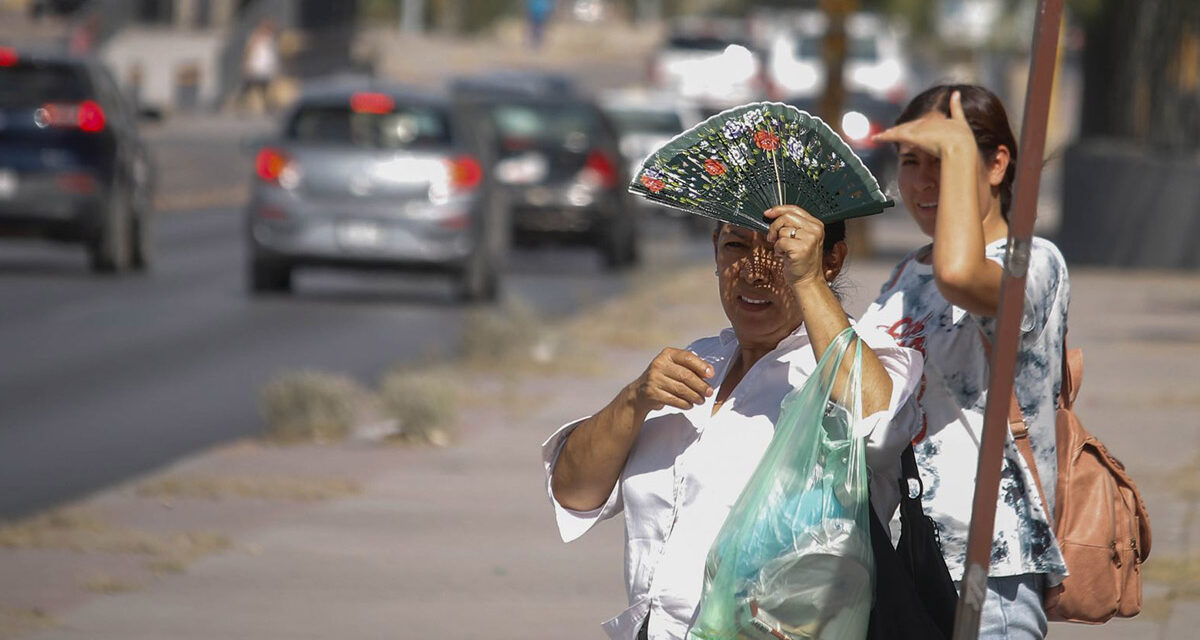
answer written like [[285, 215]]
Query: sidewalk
[[363, 539]]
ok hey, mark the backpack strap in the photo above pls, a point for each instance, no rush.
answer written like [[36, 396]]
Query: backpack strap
[[1072, 375]]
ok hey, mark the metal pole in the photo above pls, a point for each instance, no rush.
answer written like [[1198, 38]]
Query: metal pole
[[1012, 302], [412, 16]]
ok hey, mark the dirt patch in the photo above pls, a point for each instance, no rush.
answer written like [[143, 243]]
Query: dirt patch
[[18, 622], [76, 530], [292, 489]]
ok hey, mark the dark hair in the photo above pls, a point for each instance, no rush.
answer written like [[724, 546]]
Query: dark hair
[[987, 118]]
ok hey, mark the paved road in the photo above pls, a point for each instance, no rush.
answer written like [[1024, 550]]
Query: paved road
[[106, 378]]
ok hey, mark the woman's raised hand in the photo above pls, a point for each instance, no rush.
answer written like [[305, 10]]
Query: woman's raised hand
[[674, 378], [932, 133], [799, 239]]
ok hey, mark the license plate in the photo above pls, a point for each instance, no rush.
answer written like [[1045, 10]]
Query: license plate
[[8, 184], [360, 235]]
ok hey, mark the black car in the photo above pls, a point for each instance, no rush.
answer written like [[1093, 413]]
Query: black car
[[72, 166], [556, 162]]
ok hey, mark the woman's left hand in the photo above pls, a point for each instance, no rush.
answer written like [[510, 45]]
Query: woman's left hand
[[799, 240]]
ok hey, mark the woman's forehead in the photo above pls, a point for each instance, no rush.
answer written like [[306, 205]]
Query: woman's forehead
[[909, 149], [741, 232]]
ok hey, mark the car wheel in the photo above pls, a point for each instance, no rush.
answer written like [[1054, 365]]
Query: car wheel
[[619, 246], [143, 247], [267, 276], [478, 281], [111, 250]]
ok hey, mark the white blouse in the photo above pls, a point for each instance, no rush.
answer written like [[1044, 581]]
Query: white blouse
[[687, 468]]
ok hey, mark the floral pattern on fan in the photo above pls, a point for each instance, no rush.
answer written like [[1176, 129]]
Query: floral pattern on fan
[[743, 161]]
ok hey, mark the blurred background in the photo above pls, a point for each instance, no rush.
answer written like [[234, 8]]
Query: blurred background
[[199, 198]]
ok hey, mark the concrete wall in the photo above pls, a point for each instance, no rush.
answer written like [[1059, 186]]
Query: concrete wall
[[164, 57]]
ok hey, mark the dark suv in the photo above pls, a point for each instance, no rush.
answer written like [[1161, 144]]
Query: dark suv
[[557, 162], [72, 166]]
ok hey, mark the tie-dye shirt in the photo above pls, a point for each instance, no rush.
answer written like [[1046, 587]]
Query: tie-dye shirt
[[953, 396]]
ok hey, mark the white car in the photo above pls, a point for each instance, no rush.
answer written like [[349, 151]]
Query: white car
[[646, 120], [710, 63], [875, 60]]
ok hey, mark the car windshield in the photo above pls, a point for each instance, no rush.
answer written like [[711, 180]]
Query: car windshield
[[31, 85], [572, 126], [861, 49], [399, 128], [646, 121]]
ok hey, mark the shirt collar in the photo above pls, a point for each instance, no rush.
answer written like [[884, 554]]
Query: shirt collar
[[794, 340]]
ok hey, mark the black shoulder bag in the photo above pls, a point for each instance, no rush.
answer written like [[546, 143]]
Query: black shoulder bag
[[914, 595]]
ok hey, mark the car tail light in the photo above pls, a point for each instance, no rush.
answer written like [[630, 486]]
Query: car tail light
[[86, 116], [378, 103], [465, 173], [8, 57], [602, 167], [270, 164], [91, 117]]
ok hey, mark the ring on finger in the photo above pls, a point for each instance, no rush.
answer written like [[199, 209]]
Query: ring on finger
[[792, 233]]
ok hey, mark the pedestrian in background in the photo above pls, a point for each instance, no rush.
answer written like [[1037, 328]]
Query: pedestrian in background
[[538, 14], [957, 159], [674, 449], [260, 66]]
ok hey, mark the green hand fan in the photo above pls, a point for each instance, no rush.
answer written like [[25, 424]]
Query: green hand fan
[[737, 164]]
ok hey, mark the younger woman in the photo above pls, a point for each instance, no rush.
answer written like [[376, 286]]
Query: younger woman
[[957, 163]]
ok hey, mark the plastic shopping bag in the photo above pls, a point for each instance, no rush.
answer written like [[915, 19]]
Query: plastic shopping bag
[[793, 559]]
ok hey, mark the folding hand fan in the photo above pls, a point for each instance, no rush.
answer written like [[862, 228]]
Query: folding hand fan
[[743, 161]]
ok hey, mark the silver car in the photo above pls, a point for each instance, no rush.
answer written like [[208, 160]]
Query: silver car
[[366, 176]]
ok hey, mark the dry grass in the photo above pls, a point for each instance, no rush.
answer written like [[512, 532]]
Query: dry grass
[[424, 405], [655, 313], [1180, 575], [101, 583], [78, 531], [506, 343], [19, 622], [311, 406], [513, 339], [285, 488]]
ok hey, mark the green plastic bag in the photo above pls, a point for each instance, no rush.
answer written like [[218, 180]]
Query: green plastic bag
[[793, 559]]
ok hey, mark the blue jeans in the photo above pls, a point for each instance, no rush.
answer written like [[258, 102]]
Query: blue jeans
[[1013, 609]]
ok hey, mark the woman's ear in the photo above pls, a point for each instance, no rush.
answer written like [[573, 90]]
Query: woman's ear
[[834, 259], [998, 166]]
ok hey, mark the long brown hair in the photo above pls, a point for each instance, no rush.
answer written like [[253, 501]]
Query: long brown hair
[[987, 118]]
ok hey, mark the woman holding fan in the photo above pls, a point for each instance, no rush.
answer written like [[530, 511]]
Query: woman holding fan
[[675, 447], [957, 163]]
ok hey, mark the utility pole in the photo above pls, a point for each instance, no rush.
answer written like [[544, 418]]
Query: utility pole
[[833, 98], [412, 16]]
